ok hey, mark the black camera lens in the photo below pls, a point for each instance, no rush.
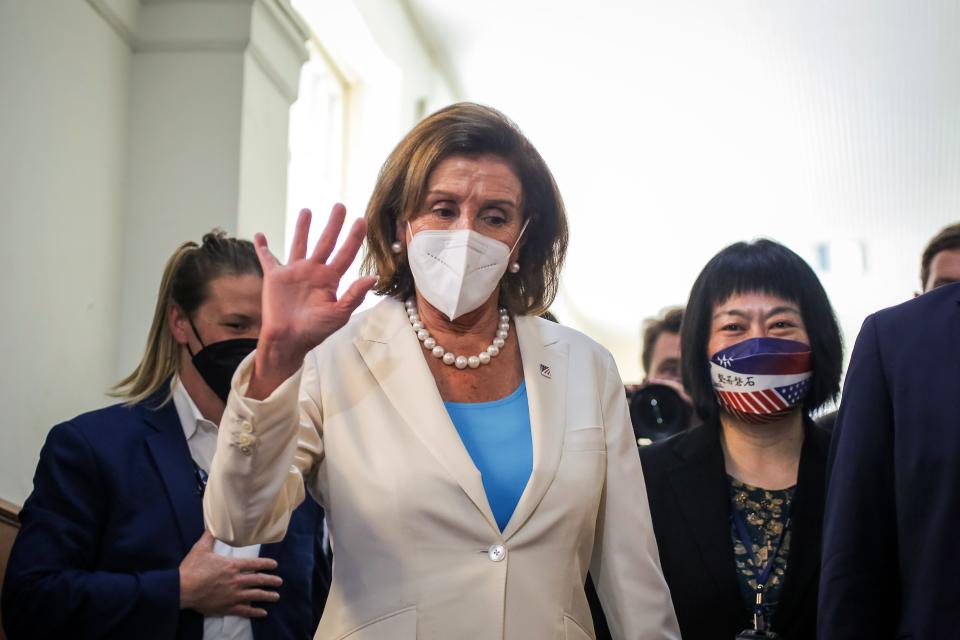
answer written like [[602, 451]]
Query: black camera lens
[[658, 412]]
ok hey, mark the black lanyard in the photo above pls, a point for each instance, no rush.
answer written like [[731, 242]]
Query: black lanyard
[[739, 521]]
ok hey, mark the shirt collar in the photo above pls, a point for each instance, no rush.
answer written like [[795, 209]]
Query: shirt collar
[[187, 411]]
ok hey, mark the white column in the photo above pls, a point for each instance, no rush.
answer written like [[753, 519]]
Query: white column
[[63, 99], [211, 87]]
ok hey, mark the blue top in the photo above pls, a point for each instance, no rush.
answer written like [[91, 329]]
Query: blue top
[[497, 437]]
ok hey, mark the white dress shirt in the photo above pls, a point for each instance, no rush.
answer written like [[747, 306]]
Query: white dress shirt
[[201, 437]]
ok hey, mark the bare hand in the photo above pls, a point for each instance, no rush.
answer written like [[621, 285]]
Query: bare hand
[[300, 304], [219, 586]]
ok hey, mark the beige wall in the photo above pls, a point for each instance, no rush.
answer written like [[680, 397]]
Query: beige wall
[[126, 127], [63, 111]]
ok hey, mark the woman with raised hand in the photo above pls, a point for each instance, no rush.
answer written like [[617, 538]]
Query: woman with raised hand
[[475, 461]]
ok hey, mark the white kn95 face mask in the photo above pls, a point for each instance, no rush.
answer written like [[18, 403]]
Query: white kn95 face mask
[[457, 271]]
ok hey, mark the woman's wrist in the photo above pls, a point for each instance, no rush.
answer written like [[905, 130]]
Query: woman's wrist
[[273, 363]]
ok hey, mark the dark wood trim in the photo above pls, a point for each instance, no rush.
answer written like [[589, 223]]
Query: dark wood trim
[[9, 513]]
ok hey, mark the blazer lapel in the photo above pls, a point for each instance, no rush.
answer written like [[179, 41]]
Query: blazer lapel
[[170, 452], [807, 521], [699, 481], [545, 375], [392, 353]]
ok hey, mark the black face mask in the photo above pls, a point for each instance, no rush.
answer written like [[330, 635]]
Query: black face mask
[[217, 362]]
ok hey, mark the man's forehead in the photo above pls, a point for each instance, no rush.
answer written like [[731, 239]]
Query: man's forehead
[[946, 261], [667, 344]]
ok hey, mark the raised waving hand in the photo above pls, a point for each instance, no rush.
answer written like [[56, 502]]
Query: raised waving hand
[[300, 304]]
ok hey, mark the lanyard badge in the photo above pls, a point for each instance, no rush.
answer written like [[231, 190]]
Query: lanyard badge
[[760, 625]]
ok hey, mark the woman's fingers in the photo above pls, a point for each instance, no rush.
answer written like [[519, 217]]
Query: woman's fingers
[[328, 239], [298, 248], [353, 296], [348, 252], [267, 260], [338, 265]]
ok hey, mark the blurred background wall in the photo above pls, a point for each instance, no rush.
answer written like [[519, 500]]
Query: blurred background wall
[[673, 129]]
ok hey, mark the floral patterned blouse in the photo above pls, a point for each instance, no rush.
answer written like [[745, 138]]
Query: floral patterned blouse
[[766, 514]]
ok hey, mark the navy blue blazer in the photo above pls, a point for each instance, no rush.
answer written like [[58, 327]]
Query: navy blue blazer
[[892, 519], [116, 506]]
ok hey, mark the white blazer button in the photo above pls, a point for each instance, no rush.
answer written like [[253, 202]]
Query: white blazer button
[[497, 552], [247, 427], [245, 440]]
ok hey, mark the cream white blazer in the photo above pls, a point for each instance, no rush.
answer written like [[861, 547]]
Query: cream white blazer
[[417, 551]]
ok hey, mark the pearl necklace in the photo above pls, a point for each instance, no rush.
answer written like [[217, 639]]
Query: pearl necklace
[[447, 357]]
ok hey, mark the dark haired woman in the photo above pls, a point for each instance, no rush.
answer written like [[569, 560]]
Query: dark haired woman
[[112, 543], [737, 503], [475, 459]]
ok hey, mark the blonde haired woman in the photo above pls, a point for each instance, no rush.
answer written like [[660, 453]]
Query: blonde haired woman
[[112, 543]]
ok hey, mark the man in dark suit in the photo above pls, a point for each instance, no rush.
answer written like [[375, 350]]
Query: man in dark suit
[[112, 543], [939, 266], [890, 551]]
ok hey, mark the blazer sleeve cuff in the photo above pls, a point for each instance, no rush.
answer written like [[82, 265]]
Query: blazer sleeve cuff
[[260, 426], [160, 601], [253, 484]]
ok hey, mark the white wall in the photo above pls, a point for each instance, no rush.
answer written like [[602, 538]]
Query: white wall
[[391, 76], [676, 128], [212, 86], [271, 74], [384, 110], [426, 81], [184, 131], [63, 110], [127, 127]]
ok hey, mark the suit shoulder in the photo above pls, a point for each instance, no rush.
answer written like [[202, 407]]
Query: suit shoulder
[[360, 320], [98, 424], [921, 325], [921, 308], [578, 341], [696, 443], [660, 453], [372, 319]]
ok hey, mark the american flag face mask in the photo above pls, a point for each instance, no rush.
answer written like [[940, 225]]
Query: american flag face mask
[[761, 380]]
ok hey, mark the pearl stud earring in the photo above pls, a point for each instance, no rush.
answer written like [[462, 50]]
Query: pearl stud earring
[[396, 247], [514, 267]]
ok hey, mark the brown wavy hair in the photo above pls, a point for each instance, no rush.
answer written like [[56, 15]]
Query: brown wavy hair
[[468, 129], [668, 321], [948, 239]]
